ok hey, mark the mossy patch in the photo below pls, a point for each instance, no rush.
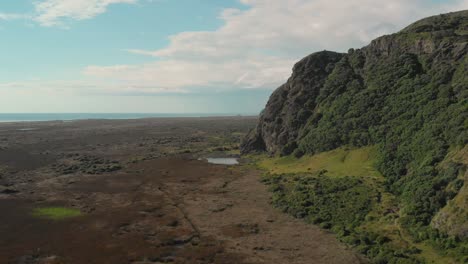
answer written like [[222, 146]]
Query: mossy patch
[[56, 213]]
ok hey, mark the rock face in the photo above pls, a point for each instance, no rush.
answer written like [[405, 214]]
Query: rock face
[[296, 105], [291, 105]]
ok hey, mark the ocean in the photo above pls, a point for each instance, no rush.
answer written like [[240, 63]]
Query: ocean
[[24, 117]]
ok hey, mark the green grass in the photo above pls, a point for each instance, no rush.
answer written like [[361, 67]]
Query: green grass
[[56, 213], [339, 162]]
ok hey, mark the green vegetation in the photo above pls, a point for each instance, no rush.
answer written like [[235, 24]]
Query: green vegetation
[[331, 202], [452, 219], [338, 162], [414, 109], [340, 190], [404, 100], [414, 125], [56, 213]]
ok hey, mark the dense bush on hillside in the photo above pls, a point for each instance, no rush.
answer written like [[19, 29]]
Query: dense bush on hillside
[[340, 204]]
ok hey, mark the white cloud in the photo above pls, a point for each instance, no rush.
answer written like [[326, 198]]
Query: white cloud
[[103, 71], [53, 12], [181, 75], [59, 88], [257, 47], [298, 26], [12, 16]]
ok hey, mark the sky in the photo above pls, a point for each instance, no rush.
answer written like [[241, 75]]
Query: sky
[[177, 56]]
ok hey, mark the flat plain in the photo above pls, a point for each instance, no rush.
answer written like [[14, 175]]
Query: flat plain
[[141, 191]]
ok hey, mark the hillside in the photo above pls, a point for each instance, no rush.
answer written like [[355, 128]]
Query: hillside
[[405, 95]]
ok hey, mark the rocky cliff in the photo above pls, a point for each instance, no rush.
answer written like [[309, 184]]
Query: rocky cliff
[[425, 47], [291, 105], [406, 93]]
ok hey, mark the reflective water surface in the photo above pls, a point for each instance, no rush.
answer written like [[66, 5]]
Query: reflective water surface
[[223, 161]]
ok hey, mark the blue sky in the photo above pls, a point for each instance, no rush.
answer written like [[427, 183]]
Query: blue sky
[[52, 51], [176, 55]]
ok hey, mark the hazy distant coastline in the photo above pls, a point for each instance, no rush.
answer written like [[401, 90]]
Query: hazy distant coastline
[[35, 117]]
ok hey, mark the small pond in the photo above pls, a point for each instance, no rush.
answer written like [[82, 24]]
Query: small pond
[[223, 161]]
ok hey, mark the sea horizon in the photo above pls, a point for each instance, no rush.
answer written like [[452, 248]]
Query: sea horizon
[[40, 117]]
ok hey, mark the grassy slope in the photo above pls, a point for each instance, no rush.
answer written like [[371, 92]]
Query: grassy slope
[[56, 213], [338, 162], [383, 219]]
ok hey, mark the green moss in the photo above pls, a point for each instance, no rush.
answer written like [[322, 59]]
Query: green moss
[[56, 213]]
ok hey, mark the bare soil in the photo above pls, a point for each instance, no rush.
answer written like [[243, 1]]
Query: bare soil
[[146, 197]]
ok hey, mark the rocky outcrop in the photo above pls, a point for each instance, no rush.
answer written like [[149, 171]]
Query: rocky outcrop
[[291, 105], [295, 106]]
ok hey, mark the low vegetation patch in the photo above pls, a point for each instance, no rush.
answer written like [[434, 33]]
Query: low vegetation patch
[[330, 202], [340, 204], [56, 213]]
